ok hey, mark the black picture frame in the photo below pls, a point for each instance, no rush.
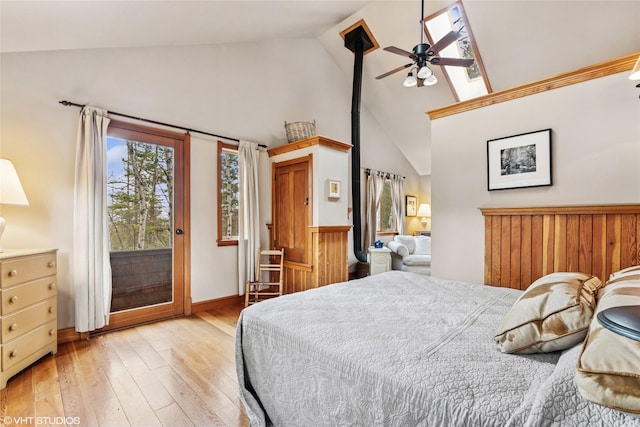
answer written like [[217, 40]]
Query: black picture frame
[[519, 161]]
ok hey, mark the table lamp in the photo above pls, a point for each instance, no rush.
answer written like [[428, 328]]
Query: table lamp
[[424, 211], [11, 192]]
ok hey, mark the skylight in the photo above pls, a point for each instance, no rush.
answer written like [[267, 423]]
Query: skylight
[[466, 83]]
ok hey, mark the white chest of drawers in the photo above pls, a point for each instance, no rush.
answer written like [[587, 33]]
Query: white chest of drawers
[[28, 309]]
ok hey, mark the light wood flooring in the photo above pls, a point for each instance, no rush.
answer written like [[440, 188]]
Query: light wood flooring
[[178, 372]]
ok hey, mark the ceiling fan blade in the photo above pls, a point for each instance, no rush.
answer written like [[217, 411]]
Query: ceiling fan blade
[[395, 70], [444, 42], [399, 51], [455, 62]]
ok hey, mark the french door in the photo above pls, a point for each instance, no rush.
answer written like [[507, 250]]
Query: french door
[[148, 228]]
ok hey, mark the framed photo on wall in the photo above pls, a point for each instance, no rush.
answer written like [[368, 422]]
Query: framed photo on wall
[[411, 205], [519, 161]]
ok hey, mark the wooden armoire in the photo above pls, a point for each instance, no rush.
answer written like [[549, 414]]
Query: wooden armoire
[[308, 220]]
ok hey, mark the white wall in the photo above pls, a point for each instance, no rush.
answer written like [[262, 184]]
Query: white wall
[[595, 160], [245, 91]]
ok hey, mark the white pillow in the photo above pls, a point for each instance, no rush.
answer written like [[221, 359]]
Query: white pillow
[[423, 245], [408, 241]]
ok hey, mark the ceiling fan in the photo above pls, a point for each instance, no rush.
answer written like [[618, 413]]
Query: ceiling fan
[[424, 54]]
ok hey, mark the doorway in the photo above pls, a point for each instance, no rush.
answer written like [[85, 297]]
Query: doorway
[[148, 231]]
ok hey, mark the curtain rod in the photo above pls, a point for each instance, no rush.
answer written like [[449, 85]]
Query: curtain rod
[[388, 174], [73, 104]]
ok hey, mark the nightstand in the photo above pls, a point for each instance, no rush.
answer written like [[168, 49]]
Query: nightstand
[[28, 310], [422, 233], [379, 260]]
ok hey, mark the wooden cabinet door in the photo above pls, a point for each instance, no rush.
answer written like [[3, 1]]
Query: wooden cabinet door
[[292, 207]]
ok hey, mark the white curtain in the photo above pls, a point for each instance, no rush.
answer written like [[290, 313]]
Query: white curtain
[[375, 185], [397, 200], [91, 264], [248, 213]]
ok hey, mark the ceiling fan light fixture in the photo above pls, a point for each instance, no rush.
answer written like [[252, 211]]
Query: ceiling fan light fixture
[[425, 72], [410, 81], [431, 80]]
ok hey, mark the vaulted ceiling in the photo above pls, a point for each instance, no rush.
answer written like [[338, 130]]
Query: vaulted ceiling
[[520, 41]]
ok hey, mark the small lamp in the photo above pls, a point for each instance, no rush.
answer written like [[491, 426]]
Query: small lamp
[[424, 211], [635, 73], [11, 192], [410, 81], [431, 80]]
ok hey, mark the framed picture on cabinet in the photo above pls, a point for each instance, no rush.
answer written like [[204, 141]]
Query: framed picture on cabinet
[[519, 161], [411, 205]]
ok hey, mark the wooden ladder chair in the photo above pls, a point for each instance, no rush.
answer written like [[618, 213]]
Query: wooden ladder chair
[[268, 281]]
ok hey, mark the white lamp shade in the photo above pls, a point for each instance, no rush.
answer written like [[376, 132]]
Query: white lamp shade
[[410, 81], [425, 72], [11, 192], [635, 73], [424, 210]]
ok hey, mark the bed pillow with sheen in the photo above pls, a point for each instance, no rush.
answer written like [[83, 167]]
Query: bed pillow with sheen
[[608, 370], [553, 314]]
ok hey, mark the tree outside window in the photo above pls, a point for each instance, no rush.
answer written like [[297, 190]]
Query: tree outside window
[[228, 194]]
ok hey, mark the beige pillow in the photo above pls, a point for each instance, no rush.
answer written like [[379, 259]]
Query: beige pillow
[[608, 370], [633, 270], [552, 314]]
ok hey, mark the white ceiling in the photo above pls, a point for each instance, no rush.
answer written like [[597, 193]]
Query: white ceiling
[[520, 41]]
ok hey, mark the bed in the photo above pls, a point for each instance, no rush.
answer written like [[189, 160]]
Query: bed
[[401, 349]]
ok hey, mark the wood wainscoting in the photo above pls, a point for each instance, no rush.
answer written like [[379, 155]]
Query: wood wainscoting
[[329, 260], [524, 244]]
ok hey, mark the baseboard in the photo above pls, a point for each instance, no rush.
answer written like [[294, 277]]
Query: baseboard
[[70, 335], [217, 303]]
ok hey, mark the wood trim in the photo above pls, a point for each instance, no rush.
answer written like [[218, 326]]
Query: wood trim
[[309, 142], [602, 69], [217, 303], [552, 210], [366, 29], [523, 244], [330, 228], [186, 226], [70, 335]]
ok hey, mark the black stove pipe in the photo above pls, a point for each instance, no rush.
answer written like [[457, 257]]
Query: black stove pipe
[[355, 41]]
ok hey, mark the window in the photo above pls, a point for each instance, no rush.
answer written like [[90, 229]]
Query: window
[[387, 221], [228, 196], [466, 83]]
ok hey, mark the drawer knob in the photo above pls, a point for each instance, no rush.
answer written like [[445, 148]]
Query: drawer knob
[[51, 264], [52, 286], [52, 332], [13, 353], [13, 299], [13, 326], [13, 273], [51, 309]]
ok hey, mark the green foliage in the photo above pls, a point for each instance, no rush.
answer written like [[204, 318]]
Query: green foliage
[[229, 184], [141, 199]]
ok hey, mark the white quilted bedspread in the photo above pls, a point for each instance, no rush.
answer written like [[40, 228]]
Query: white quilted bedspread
[[400, 349]]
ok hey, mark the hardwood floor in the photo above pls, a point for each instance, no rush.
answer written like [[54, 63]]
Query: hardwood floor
[[179, 372]]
